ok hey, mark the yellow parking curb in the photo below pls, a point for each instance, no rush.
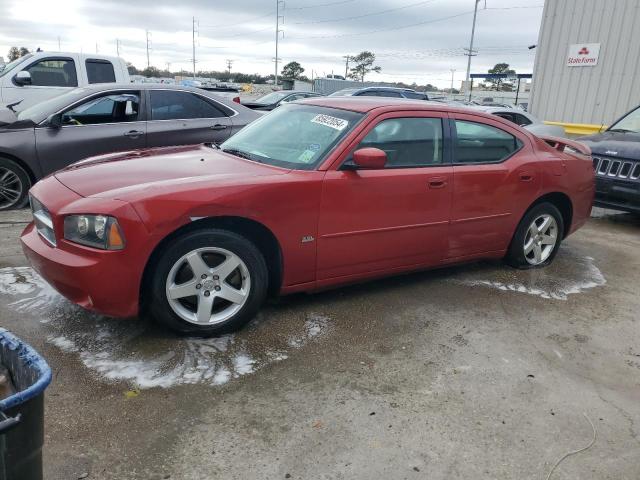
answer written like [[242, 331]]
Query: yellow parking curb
[[578, 128]]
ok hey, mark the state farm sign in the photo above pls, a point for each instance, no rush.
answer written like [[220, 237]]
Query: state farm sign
[[583, 55]]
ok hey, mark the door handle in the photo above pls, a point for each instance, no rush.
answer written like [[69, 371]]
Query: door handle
[[219, 126], [526, 176], [437, 182], [133, 133]]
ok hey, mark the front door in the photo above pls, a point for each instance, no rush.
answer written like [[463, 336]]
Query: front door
[[106, 123], [378, 220], [492, 186], [178, 117]]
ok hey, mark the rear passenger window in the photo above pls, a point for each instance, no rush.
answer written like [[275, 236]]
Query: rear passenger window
[[480, 143], [385, 93], [100, 71], [176, 105], [408, 142], [53, 72]]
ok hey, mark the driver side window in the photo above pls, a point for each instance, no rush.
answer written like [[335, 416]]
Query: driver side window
[[408, 142], [114, 108]]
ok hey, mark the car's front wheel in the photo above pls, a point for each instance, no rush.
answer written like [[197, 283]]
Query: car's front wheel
[[537, 238], [14, 185], [208, 282]]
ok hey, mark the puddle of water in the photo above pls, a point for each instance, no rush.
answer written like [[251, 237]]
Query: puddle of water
[[134, 351], [569, 274]]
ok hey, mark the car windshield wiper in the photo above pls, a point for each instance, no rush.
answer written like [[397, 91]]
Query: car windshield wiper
[[238, 153], [621, 130]]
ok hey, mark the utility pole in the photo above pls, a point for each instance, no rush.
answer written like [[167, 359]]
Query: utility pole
[[96, 47], [117, 47], [453, 70], [229, 65], [148, 43], [193, 39], [169, 67], [470, 52], [346, 66], [278, 16], [59, 49]]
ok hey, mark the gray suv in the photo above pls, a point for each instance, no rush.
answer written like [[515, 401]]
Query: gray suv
[[103, 119]]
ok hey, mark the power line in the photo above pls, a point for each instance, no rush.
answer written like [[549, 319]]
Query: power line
[[226, 25], [341, 2], [355, 17]]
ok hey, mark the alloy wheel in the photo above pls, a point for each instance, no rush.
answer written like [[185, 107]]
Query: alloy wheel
[[540, 239], [208, 286], [11, 188]]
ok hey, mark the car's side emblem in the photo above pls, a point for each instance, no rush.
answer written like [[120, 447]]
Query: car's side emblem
[[307, 239], [610, 152]]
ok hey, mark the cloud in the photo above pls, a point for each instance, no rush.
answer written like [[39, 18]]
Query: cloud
[[414, 40]]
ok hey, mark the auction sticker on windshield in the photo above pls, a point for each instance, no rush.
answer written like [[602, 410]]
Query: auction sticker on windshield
[[329, 121]]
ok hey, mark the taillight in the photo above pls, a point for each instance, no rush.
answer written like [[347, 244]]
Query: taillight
[[236, 99]]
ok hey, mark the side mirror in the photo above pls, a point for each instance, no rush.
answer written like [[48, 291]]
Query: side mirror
[[55, 121], [23, 78], [370, 158]]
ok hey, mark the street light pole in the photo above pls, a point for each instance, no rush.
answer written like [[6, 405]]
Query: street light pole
[[453, 70]]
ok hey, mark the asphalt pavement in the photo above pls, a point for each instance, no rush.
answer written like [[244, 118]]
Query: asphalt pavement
[[474, 372]]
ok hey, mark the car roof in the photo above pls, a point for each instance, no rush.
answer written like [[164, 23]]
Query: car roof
[[367, 104]]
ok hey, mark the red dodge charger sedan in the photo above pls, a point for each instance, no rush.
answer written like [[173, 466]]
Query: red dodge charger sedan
[[316, 194]]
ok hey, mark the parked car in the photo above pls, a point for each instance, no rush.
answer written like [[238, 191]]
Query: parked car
[[616, 161], [42, 75], [275, 99], [318, 193], [107, 118], [524, 119], [335, 77], [381, 92]]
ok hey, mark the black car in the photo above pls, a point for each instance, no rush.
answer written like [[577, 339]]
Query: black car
[[381, 92], [274, 99], [616, 160]]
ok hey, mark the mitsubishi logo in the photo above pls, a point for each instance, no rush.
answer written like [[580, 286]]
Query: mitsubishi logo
[[583, 51]]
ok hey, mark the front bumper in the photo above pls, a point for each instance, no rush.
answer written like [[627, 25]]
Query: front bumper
[[105, 281], [88, 279], [617, 194]]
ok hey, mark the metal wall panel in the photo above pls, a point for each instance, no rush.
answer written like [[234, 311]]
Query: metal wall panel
[[593, 95]]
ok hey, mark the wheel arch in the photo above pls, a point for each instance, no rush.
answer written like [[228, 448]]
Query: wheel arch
[[24, 165], [562, 202], [258, 233]]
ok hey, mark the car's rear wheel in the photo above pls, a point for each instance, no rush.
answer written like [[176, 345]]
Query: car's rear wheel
[[14, 185], [537, 238], [208, 282]]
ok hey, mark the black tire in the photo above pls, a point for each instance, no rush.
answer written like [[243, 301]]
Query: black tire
[[516, 254], [19, 180], [157, 305]]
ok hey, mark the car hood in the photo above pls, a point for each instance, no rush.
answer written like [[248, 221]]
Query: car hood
[[614, 144], [119, 175]]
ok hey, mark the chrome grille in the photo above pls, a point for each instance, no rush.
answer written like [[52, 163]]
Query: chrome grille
[[616, 168], [43, 221]]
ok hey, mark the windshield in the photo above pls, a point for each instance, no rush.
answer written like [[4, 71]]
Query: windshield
[[629, 123], [293, 136], [344, 92], [42, 110], [272, 98], [11, 65]]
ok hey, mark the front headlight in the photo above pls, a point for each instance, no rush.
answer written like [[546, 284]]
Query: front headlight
[[98, 231]]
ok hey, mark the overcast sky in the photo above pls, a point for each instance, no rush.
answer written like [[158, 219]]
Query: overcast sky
[[414, 40]]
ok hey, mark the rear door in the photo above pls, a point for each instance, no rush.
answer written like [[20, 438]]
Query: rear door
[[496, 177], [112, 121], [180, 117]]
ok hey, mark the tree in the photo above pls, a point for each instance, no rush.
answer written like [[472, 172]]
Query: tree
[[363, 64], [498, 82], [151, 72], [292, 70], [15, 53], [132, 69]]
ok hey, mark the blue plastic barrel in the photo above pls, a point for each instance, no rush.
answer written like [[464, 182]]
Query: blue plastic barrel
[[22, 414]]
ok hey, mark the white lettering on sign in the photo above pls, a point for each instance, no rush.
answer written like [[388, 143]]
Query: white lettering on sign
[[329, 121], [583, 55]]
